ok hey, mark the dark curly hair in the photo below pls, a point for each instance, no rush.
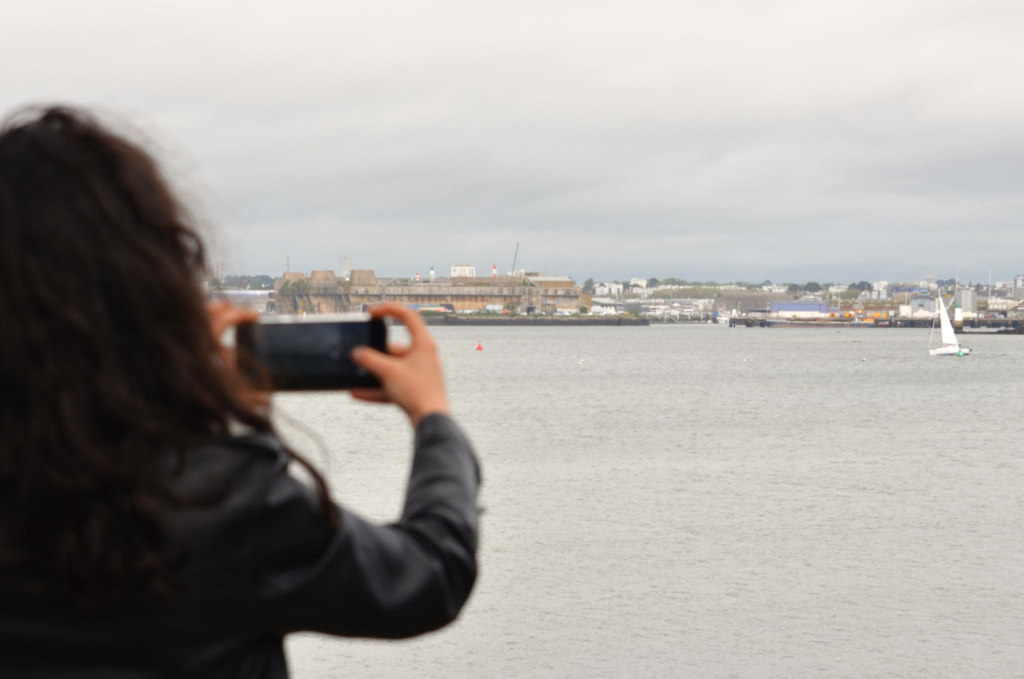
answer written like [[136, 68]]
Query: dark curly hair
[[107, 361]]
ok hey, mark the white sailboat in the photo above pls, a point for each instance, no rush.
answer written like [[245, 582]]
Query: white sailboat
[[950, 345]]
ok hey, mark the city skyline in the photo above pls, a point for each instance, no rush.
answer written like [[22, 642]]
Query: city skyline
[[1016, 280]]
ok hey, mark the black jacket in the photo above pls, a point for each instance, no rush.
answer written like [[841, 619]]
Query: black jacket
[[258, 560]]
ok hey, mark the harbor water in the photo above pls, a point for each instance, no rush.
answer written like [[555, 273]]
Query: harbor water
[[704, 501]]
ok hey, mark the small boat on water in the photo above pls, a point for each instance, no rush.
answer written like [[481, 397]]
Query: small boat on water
[[950, 345]]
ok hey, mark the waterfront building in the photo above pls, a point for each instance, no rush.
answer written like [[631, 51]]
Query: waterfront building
[[1018, 287], [608, 289], [638, 287], [918, 304], [323, 292], [463, 271], [801, 309], [1002, 304], [967, 300], [603, 306]]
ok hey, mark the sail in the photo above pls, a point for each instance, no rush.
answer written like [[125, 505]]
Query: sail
[[948, 336]]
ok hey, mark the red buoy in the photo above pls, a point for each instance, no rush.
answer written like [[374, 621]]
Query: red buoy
[[479, 346]]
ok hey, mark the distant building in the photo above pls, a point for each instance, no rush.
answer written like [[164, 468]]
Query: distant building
[[799, 309], [921, 303], [324, 281], [550, 281], [289, 277], [967, 300], [363, 277], [463, 271], [603, 306], [323, 292], [608, 289], [1001, 304]]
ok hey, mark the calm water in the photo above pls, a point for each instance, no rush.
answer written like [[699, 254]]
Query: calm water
[[705, 501]]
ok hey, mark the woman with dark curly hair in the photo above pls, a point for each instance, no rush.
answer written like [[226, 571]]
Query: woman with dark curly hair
[[148, 523]]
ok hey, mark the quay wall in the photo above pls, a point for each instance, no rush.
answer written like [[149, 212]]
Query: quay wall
[[534, 320]]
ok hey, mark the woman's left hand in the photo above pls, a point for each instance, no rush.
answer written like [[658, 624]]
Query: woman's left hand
[[223, 316]]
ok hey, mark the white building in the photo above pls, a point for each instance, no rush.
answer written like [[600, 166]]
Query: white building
[[640, 291], [603, 306], [1018, 287], [463, 271], [1001, 304], [608, 289]]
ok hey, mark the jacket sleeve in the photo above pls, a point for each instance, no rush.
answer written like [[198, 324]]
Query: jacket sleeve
[[363, 579]]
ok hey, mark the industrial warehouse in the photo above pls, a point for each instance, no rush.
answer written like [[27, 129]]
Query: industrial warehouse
[[528, 293]]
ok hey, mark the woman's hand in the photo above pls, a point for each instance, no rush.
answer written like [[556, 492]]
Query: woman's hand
[[410, 376], [223, 316]]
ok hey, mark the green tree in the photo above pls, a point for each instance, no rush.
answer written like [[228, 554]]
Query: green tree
[[588, 286], [794, 287], [235, 282], [812, 286]]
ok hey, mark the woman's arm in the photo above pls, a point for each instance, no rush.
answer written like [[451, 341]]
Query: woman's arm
[[397, 580], [363, 579]]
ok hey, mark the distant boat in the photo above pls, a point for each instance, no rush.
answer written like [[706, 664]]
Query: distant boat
[[950, 344]]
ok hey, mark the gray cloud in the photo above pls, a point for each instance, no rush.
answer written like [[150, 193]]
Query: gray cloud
[[744, 140]]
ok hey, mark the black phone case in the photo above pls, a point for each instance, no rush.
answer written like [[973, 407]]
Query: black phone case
[[309, 355]]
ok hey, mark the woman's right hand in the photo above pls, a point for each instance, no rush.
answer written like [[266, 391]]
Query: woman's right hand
[[410, 376]]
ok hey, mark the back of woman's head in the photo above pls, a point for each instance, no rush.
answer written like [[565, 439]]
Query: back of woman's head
[[106, 357]]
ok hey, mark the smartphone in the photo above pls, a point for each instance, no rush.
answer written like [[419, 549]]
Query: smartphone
[[287, 354]]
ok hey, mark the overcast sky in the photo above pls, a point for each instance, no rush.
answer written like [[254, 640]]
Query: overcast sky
[[729, 140]]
